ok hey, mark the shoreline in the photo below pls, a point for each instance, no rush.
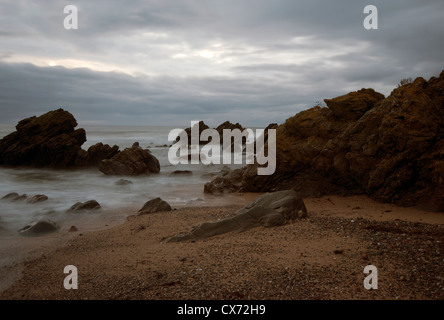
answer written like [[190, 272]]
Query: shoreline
[[128, 261]]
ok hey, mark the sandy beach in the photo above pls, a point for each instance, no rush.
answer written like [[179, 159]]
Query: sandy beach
[[320, 257]]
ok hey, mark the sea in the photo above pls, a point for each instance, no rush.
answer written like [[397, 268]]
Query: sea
[[66, 187]]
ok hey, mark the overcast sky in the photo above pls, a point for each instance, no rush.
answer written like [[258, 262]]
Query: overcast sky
[[167, 62]]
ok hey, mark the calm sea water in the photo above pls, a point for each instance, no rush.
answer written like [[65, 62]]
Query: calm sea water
[[66, 187]]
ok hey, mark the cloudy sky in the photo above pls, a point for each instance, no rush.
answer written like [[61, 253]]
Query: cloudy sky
[[167, 62]]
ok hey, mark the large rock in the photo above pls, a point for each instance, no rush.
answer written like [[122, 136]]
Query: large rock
[[95, 154], [40, 227], [131, 162], [154, 205], [49, 140], [269, 210], [389, 148]]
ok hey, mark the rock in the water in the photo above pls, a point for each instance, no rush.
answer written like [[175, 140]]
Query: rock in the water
[[10, 196], [20, 198], [95, 154], [391, 149], [39, 227], [49, 140], [14, 196], [82, 206], [123, 182], [37, 198], [131, 162], [182, 172], [154, 205], [200, 126], [269, 210], [229, 126]]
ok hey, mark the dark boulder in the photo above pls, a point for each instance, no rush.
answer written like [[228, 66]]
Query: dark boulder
[[95, 154], [84, 206], [40, 227], [49, 140], [131, 162], [154, 205]]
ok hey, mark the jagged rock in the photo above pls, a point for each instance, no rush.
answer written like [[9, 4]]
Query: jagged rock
[[49, 140], [39, 228], [389, 148], [154, 205], [269, 210], [37, 198], [95, 154], [354, 104], [131, 161], [200, 126], [228, 125], [88, 205]]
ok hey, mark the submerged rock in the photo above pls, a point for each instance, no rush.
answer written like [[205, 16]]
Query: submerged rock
[[123, 182], [131, 162], [40, 227], [37, 198], [10, 196], [182, 172], [82, 206], [154, 205], [269, 210]]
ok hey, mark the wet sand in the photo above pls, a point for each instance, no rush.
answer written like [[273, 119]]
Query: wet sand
[[320, 257]]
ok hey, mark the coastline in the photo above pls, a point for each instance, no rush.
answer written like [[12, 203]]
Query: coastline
[[320, 257]]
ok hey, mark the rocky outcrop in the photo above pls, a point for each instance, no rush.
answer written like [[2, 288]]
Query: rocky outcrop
[[362, 143], [269, 210], [228, 125], [131, 162], [39, 227], [154, 205], [46, 141], [51, 140], [201, 126]]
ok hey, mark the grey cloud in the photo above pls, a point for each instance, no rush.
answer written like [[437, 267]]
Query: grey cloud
[[260, 88]]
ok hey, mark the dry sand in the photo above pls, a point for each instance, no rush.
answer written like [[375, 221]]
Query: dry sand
[[320, 257]]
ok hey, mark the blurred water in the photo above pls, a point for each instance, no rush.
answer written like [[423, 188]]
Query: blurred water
[[66, 187]]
